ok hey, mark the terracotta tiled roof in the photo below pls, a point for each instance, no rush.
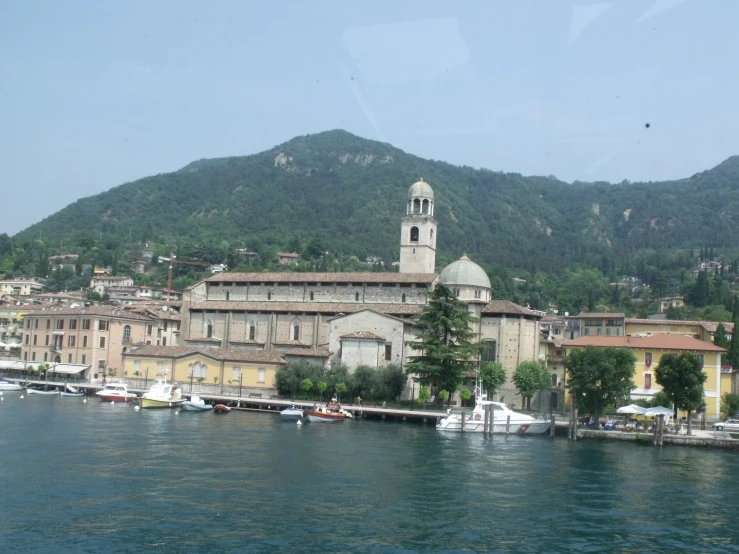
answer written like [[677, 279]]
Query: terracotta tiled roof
[[321, 307], [362, 335], [246, 341], [660, 342], [100, 311], [591, 315], [307, 352], [290, 343], [227, 354], [345, 277], [206, 339], [507, 307]]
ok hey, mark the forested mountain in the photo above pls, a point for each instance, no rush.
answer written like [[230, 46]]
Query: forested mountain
[[350, 193]]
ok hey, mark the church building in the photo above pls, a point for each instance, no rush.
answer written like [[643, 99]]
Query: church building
[[362, 318]]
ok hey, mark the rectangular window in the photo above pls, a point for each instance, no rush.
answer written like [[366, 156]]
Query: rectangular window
[[608, 331], [262, 375], [587, 331], [84, 356], [28, 339], [72, 323], [600, 331], [35, 340], [700, 359], [84, 341], [237, 373], [102, 342], [148, 329], [137, 366], [164, 341], [60, 324], [165, 325], [25, 356], [101, 364], [70, 340], [69, 359], [46, 356], [160, 367], [102, 325], [35, 324], [648, 359], [48, 324], [618, 331], [647, 380], [28, 324], [388, 351], [33, 356], [46, 342], [85, 324]]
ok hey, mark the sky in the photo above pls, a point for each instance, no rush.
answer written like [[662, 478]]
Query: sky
[[95, 94]]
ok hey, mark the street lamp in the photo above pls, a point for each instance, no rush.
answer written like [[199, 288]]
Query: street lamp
[[241, 375], [413, 394]]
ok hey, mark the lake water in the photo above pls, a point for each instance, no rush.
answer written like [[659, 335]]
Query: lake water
[[95, 477]]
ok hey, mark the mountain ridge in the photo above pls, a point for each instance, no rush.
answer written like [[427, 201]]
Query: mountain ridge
[[350, 192]]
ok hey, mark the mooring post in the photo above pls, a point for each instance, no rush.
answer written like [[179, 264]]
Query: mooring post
[[661, 428], [574, 436], [491, 421], [485, 422], [507, 424], [461, 428], [655, 432], [552, 427]]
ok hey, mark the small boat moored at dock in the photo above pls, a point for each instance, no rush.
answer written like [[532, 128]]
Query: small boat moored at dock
[[293, 412], [221, 409], [162, 395], [116, 392], [7, 385], [47, 391], [326, 414], [71, 391], [196, 404]]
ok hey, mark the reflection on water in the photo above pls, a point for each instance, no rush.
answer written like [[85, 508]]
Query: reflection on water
[[93, 476]]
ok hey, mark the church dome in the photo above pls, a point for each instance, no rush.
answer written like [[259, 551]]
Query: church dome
[[464, 272], [421, 189]]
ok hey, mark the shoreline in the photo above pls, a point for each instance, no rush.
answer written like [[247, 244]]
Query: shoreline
[[722, 442]]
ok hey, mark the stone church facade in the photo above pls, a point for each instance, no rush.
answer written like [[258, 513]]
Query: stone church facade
[[356, 318]]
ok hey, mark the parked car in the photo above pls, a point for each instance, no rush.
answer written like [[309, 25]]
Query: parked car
[[728, 425]]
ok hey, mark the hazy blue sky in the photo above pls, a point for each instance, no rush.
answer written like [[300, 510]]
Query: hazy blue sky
[[94, 94]]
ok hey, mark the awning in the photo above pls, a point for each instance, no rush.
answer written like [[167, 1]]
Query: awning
[[68, 369]]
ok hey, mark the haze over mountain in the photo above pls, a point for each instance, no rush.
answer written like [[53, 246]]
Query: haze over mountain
[[351, 193]]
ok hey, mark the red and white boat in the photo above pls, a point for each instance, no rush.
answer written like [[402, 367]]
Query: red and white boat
[[326, 414], [221, 409], [116, 392]]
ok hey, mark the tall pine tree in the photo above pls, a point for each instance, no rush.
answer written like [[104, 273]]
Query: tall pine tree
[[447, 348]]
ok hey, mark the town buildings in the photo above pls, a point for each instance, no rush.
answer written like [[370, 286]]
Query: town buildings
[[101, 283], [20, 287]]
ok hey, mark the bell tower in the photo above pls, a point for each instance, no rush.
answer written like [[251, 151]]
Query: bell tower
[[418, 231]]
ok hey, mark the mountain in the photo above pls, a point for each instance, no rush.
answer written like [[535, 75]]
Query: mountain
[[351, 193]]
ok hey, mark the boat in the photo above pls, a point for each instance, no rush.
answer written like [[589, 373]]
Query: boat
[[116, 392], [71, 391], [162, 395], [47, 391], [293, 412], [196, 404], [221, 409], [326, 414], [520, 424], [7, 385]]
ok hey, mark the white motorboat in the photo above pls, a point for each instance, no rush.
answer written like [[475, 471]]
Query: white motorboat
[[7, 385], [53, 391], [162, 395], [293, 412], [196, 404], [71, 391], [520, 424], [116, 392]]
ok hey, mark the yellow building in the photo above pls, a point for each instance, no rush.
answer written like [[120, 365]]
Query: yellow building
[[670, 302], [701, 330], [649, 351], [251, 369]]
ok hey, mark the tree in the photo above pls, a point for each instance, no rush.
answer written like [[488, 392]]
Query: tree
[[446, 341], [322, 386], [700, 293], [340, 388], [529, 378], [306, 385], [719, 337], [465, 394], [733, 354], [423, 395], [729, 405], [681, 377], [493, 376], [444, 395], [598, 377]]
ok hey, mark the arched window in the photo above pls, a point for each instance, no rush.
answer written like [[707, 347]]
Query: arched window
[[414, 234], [269, 296], [356, 297], [295, 325], [311, 296], [416, 206], [432, 236], [554, 379], [127, 333], [425, 208], [252, 331], [403, 297], [209, 328], [228, 295]]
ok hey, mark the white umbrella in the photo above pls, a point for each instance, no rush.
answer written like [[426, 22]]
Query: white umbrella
[[659, 410], [632, 409]]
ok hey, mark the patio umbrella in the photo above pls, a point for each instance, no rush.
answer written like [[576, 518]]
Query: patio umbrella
[[632, 409], [659, 410]]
